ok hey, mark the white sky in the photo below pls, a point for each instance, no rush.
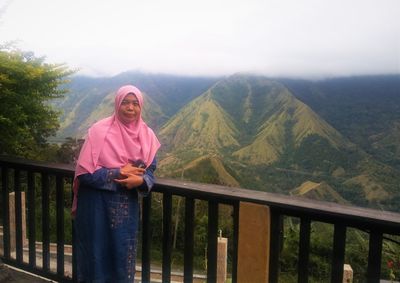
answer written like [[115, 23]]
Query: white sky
[[210, 37]]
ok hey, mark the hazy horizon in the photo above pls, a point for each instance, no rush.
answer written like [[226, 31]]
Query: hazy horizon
[[301, 39], [294, 77]]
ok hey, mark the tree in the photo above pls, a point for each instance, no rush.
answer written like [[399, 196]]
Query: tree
[[68, 152], [27, 84]]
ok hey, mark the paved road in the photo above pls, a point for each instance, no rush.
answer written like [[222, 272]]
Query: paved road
[[9, 275]]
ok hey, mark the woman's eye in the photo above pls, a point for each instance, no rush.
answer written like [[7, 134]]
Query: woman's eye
[[126, 102]]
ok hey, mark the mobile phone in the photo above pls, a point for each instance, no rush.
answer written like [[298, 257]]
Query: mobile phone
[[138, 163]]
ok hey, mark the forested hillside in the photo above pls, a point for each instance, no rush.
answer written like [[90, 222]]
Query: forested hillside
[[90, 99], [266, 134], [364, 109]]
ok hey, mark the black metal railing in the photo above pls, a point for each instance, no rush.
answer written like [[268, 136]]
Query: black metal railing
[[25, 174], [19, 175]]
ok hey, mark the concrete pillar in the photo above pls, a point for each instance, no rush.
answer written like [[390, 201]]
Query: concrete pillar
[[12, 220], [254, 243], [222, 258], [347, 273]]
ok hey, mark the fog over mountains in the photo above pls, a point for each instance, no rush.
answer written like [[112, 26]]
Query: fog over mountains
[[334, 139]]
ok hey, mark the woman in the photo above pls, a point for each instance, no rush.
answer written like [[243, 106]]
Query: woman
[[116, 163]]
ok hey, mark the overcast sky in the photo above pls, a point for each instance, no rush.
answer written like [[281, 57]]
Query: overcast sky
[[210, 37]]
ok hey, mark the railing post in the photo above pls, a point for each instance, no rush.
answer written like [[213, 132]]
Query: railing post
[[339, 244], [45, 222], [60, 224], [276, 240], [304, 249], [253, 243], [374, 257], [189, 240], [167, 239], [236, 207], [17, 230], [74, 267], [212, 241], [20, 217], [31, 219], [146, 237], [6, 213]]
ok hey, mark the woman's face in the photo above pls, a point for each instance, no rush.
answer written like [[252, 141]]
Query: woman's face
[[129, 111]]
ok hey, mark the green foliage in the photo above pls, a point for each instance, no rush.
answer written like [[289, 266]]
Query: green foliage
[[203, 173], [391, 258], [27, 85], [321, 244], [52, 210], [68, 152], [357, 253], [365, 109], [316, 154], [225, 224]]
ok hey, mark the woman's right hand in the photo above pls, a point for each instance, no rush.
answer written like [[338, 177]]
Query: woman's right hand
[[131, 169], [130, 181]]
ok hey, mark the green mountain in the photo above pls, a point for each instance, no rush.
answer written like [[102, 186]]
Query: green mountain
[[91, 99], [269, 140], [205, 169], [264, 134], [76, 122], [252, 120], [365, 109]]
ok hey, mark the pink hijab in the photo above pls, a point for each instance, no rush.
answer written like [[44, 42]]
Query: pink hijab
[[112, 144]]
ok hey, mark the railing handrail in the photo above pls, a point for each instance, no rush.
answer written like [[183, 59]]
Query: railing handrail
[[27, 164], [315, 209]]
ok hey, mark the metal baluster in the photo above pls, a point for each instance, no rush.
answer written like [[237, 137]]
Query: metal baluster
[[18, 216], [339, 244], [212, 241], [6, 215], [374, 257], [304, 249], [146, 238], [60, 224], [235, 240], [31, 219], [167, 239], [45, 223], [189, 239]]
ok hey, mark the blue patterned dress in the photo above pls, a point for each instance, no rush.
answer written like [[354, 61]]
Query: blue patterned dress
[[106, 224]]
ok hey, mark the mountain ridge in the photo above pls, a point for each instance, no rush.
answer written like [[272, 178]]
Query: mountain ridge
[[209, 122], [265, 134]]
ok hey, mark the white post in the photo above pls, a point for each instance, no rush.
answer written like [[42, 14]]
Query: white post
[[347, 273], [222, 259]]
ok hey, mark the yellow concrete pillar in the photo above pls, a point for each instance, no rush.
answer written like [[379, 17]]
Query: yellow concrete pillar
[[253, 243]]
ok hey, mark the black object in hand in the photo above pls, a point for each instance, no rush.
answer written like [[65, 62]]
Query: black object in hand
[[138, 163]]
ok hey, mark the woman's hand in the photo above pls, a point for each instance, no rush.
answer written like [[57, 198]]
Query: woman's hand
[[131, 169], [130, 180]]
